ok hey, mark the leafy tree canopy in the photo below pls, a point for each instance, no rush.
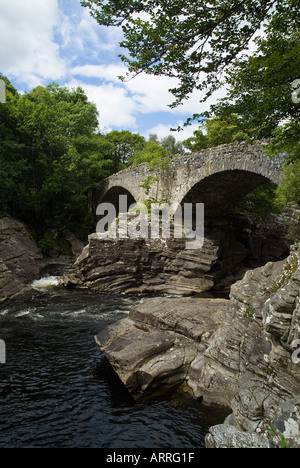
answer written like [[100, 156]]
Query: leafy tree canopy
[[51, 156], [194, 41], [152, 153], [157, 152], [124, 146], [260, 87]]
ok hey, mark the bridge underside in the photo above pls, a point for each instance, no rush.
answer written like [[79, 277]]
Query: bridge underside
[[221, 192], [113, 196]]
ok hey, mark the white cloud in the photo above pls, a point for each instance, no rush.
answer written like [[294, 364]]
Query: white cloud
[[116, 108], [120, 104], [153, 95], [151, 92], [164, 130], [57, 40], [105, 72], [27, 48], [81, 33]]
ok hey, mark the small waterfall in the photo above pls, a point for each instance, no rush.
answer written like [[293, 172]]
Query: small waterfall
[[51, 275]]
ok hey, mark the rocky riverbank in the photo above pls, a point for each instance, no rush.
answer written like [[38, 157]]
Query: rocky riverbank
[[232, 246], [235, 353], [20, 259]]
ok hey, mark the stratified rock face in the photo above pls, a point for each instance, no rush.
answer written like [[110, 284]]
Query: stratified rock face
[[141, 266], [153, 348], [231, 247], [20, 259], [254, 348], [223, 436]]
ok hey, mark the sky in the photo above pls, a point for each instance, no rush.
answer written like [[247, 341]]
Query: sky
[[45, 41]]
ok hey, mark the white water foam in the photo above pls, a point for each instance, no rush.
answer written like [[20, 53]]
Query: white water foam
[[4, 312], [48, 282], [23, 313]]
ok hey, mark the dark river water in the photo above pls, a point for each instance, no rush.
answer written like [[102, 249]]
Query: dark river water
[[57, 389]]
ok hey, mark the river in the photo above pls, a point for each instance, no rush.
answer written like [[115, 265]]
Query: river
[[58, 391]]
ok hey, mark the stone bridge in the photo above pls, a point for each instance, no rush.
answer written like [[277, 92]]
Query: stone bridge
[[233, 243], [218, 177]]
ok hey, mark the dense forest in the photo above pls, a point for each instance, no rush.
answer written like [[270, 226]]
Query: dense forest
[[53, 157]]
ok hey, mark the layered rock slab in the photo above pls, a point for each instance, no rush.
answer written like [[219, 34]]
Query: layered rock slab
[[254, 349], [165, 266], [154, 347]]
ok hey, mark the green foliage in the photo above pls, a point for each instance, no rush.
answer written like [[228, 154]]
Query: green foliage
[[260, 86], [275, 434], [147, 183], [157, 153], [46, 244], [261, 202], [152, 154], [286, 139], [218, 131], [51, 158], [172, 146], [192, 41], [289, 190], [12, 162], [124, 146]]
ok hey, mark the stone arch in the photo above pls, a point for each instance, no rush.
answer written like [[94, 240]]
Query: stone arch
[[128, 181], [221, 192], [112, 196], [223, 175], [236, 238]]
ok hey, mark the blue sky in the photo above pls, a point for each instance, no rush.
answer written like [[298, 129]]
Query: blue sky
[[42, 41]]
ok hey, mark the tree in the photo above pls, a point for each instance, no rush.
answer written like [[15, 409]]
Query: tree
[[218, 131], [49, 120], [152, 154], [51, 158], [194, 41], [124, 144], [261, 92], [172, 146], [289, 190], [13, 166], [260, 86]]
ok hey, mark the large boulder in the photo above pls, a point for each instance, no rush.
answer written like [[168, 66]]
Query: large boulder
[[153, 348], [254, 348]]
